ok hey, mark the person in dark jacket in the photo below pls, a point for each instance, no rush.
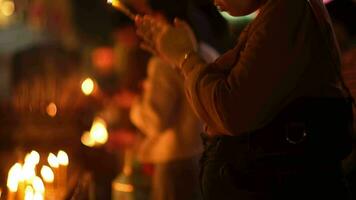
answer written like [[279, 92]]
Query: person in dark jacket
[[278, 115]]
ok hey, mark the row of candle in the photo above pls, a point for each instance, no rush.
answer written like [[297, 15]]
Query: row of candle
[[24, 184]]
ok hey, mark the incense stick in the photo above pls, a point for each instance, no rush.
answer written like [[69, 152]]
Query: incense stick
[[121, 7]]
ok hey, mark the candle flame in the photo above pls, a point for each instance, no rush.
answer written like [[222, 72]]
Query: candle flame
[[87, 140], [62, 157], [52, 160], [47, 174], [7, 8], [29, 193], [98, 131], [38, 196], [38, 185], [88, 86], [28, 171], [14, 177], [32, 159], [51, 109]]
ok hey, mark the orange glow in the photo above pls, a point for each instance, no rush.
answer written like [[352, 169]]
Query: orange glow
[[87, 140], [98, 131], [103, 58], [122, 187], [88, 86], [7, 8], [52, 109], [47, 174]]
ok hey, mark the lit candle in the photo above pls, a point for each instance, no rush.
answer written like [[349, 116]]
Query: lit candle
[[48, 178], [13, 181], [38, 185], [63, 162], [53, 162], [38, 196], [88, 86], [99, 132], [29, 193], [121, 7]]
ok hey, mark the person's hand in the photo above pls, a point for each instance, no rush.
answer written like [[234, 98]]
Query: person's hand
[[169, 42]]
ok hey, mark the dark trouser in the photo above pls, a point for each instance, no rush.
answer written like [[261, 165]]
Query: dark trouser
[[229, 177], [177, 180]]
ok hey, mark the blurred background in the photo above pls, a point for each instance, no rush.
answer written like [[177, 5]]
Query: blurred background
[[69, 71]]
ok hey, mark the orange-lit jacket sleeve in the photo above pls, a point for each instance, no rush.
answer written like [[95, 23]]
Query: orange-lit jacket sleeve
[[246, 95]]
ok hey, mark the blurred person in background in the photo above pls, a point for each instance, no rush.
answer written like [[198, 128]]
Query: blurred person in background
[[277, 111], [172, 131], [343, 15]]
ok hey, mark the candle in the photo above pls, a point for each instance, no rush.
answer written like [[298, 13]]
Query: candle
[[29, 193], [121, 7], [63, 162], [53, 162], [38, 196], [99, 132], [12, 181], [38, 185], [48, 178]]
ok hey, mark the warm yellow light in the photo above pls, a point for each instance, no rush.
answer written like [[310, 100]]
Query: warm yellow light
[[32, 159], [115, 3], [38, 196], [88, 86], [62, 158], [7, 8], [14, 176], [38, 185], [122, 187], [51, 109], [47, 174], [28, 171], [29, 193], [52, 160], [87, 140], [98, 131]]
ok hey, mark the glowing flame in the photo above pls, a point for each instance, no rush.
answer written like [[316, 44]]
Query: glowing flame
[[7, 8], [87, 140], [51, 109], [38, 185], [122, 187], [47, 174], [98, 131], [14, 177], [88, 86], [28, 171], [32, 159], [62, 157], [52, 160], [38, 196], [29, 193]]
